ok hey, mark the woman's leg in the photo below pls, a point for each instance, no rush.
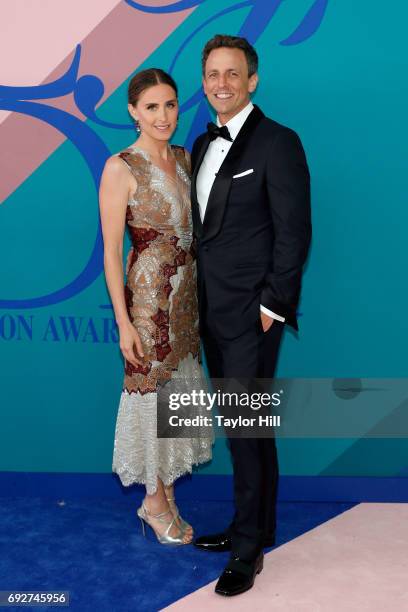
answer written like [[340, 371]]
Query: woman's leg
[[157, 503], [169, 492]]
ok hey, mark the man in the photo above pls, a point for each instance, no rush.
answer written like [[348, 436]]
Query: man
[[251, 215]]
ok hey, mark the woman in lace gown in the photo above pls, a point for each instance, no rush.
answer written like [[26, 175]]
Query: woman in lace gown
[[146, 187]]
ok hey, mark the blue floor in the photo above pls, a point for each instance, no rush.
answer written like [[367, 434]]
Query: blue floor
[[95, 550]]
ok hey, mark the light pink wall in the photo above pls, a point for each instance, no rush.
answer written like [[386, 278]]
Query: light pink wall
[[37, 35], [114, 42]]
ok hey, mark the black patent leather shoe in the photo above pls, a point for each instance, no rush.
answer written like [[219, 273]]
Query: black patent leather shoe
[[221, 542], [239, 576], [216, 542]]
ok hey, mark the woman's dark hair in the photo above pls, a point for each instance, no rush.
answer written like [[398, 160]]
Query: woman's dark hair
[[145, 79], [231, 42]]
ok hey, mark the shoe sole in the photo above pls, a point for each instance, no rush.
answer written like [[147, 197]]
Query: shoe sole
[[228, 549], [213, 550]]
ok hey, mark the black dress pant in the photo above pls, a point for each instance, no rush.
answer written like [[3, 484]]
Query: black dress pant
[[255, 463]]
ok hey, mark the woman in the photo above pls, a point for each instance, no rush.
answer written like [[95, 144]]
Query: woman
[[147, 188]]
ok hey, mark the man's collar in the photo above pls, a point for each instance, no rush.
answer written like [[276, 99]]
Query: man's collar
[[238, 120]]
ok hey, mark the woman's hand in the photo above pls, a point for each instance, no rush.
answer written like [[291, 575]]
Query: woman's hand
[[128, 342]]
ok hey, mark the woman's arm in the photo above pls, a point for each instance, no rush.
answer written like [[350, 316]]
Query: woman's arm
[[116, 183]]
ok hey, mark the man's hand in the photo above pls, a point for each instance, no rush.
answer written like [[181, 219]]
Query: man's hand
[[266, 321]]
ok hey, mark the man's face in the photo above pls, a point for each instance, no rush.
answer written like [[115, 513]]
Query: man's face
[[226, 83]]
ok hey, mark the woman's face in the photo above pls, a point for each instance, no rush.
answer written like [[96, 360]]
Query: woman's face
[[157, 111]]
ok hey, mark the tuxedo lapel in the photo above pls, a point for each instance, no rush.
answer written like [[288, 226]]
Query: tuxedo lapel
[[195, 208], [218, 197]]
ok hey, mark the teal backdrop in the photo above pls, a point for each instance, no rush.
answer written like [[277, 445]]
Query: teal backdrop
[[339, 82]]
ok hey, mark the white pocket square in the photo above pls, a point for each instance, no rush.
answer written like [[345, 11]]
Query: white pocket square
[[243, 173]]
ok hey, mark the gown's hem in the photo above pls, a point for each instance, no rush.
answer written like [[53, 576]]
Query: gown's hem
[[167, 481]]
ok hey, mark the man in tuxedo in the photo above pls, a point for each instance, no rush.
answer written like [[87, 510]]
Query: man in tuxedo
[[251, 216]]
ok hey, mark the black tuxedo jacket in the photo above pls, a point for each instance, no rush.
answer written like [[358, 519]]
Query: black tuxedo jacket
[[256, 232]]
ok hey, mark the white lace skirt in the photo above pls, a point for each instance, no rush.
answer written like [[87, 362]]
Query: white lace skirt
[[139, 456]]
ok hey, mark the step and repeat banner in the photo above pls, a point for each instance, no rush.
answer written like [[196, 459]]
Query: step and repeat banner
[[334, 72]]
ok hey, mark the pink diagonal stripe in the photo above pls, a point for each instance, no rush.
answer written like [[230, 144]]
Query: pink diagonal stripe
[[356, 562], [39, 36], [112, 51]]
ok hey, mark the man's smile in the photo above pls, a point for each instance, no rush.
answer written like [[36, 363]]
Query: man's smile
[[223, 96]]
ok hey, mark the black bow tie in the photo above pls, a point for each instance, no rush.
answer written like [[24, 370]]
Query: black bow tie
[[214, 131]]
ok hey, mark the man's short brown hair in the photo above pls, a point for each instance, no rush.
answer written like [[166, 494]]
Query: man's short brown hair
[[231, 42]]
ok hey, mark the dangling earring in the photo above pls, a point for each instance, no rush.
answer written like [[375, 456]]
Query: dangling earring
[[137, 126]]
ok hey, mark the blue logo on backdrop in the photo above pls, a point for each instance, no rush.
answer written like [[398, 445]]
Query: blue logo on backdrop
[[88, 91]]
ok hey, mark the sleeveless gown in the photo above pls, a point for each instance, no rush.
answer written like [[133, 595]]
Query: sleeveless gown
[[161, 301]]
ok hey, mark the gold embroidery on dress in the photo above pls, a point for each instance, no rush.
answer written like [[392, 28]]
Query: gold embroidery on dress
[[160, 289]]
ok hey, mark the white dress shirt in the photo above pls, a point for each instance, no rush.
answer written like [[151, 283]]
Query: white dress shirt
[[213, 158]]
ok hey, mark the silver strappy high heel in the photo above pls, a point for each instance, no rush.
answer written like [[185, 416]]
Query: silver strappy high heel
[[164, 538], [183, 524]]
